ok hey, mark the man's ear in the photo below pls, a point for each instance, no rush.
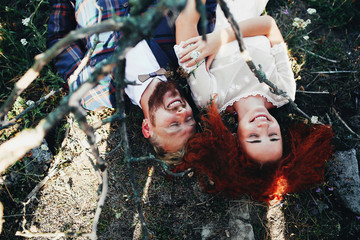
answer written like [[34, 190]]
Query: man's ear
[[146, 128]]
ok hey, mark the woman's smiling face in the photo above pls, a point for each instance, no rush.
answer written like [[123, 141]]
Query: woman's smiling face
[[260, 136]]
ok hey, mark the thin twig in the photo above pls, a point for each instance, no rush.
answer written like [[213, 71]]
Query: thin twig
[[329, 119], [52, 171], [324, 58], [162, 164], [100, 205], [144, 199], [200, 7], [28, 109], [343, 122], [7, 189], [29, 234], [334, 72], [315, 78], [312, 92]]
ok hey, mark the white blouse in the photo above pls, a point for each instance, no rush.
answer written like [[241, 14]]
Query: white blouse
[[230, 78]]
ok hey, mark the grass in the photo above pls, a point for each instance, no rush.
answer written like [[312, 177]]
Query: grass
[[329, 42]]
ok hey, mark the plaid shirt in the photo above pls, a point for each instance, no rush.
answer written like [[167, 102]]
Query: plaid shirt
[[67, 15]]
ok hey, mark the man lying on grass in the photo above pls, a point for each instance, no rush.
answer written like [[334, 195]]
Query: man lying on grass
[[168, 120]]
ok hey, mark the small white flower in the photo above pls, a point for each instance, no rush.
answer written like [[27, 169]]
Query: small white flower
[[311, 11], [296, 24], [306, 37], [26, 21], [44, 147], [314, 119], [300, 23], [23, 41], [30, 102], [304, 25]]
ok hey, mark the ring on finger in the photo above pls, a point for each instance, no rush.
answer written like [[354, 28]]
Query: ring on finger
[[195, 54]]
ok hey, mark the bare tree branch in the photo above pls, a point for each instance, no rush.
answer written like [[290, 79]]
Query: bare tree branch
[[137, 28], [15, 148]]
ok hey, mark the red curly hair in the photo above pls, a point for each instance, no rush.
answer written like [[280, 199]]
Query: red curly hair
[[216, 155]]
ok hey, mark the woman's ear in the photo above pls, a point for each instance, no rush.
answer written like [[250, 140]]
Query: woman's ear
[[146, 128]]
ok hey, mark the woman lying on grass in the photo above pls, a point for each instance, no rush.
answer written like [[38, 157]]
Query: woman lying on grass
[[259, 160]]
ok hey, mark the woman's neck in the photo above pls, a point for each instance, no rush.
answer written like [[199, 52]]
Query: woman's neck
[[246, 104]]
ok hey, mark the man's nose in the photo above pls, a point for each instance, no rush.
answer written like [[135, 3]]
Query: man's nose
[[180, 110]]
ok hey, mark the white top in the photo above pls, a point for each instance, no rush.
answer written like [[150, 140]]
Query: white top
[[241, 10], [140, 60], [230, 77]]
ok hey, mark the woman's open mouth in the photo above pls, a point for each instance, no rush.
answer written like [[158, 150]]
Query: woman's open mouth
[[260, 117]]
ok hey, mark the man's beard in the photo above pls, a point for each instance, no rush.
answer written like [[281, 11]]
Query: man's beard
[[157, 97]]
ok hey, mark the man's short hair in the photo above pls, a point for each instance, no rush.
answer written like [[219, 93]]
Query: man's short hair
[[169, 159]]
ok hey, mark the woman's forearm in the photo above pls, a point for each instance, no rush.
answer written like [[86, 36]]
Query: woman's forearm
[[263, 25], [186, 22]]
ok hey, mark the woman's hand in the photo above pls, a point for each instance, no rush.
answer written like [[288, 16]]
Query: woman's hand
[[207, 49]]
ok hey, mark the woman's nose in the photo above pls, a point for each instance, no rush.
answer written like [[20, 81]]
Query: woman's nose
[[263, 124]]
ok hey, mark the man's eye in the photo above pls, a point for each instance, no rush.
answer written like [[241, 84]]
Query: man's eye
[[189, 119], [174, 124]]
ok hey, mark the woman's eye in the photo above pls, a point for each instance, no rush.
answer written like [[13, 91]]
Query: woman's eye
[[189, 119], [253, 135]]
